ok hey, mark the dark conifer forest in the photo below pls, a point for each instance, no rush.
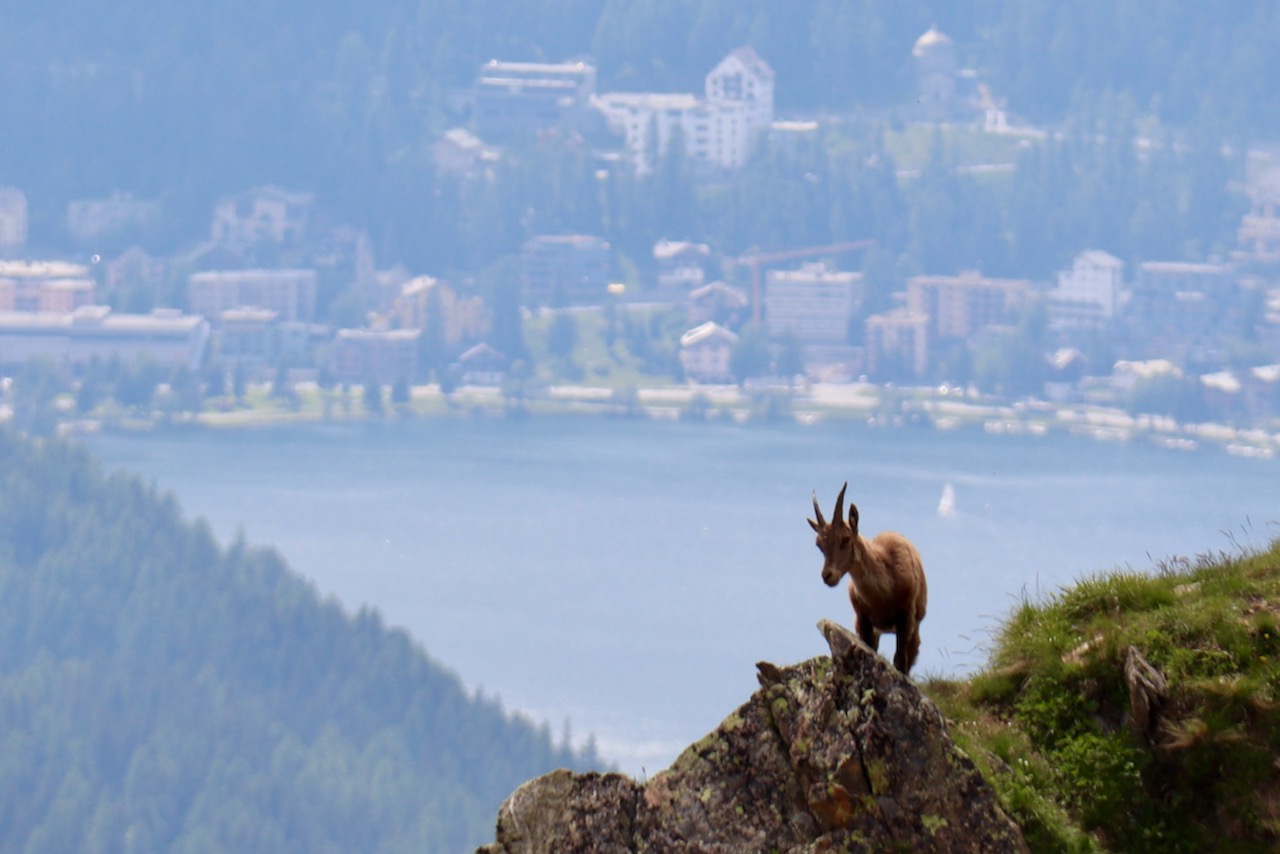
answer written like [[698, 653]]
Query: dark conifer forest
[[159, 692], [185, 103]]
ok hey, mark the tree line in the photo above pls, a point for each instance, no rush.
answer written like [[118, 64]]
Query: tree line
[[184, 105], [159, 691]]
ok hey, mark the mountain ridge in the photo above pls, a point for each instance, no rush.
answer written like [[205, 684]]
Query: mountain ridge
[[159, 688]]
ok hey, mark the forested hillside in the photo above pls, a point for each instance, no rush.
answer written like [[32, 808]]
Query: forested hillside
[[184, 102], [158, 692]]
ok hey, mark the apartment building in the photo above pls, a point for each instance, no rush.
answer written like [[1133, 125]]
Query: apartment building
[[459, 318], [719, 129], [54, 287], [960, 306], [289, 293], [384, 355], [1089, 294], [516, 98], [897, 344], [94, 332], [814, 303], [565, 269], [263, 214]]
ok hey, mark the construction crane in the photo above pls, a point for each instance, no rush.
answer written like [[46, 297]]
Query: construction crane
[[755, 260]]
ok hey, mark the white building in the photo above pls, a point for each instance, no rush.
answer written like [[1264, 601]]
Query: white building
[[166, 335], [1089, 293], [719, 129], [681, 263], [814, 303], [264, 214], [934, 56], [706, 353]]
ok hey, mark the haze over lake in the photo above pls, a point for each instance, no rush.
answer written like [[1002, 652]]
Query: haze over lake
[[627, 575]]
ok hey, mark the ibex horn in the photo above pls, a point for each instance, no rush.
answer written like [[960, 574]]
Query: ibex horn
[[822, 523], [839, 514]]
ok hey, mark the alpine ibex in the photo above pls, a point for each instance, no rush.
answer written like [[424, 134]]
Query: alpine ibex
[[886, 579]]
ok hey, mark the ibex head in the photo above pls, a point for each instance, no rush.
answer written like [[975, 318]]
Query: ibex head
[[837, 540]]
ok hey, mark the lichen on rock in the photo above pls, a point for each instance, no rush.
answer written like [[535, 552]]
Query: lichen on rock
[[832, 754]]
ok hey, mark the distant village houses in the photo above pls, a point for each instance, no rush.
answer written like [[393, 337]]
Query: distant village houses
[[383, 355], [514, 99], [719, 129], [706, 353], [289, 293], [56, 287], [264, 214], [248, 337], [166, 336], [565, 269], [897, 343], [900, 342], [482, 365], [934, 56], [1088, 295], [961, 306], [1179, 309], [813, 303], [1258, 236], [460, 152], [426, 302], [681, 264]]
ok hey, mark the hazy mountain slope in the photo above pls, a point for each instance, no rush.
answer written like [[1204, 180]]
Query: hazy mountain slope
[[158, 692], [191, 100]]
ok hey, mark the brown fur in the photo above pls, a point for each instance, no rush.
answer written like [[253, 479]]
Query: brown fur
[[886, 580]]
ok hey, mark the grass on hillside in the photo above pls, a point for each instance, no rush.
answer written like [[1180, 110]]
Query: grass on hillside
[[639, 352], [966, 145], [1048, 720]]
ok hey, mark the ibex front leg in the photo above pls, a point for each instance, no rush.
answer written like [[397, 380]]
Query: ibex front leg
[[870, 636]]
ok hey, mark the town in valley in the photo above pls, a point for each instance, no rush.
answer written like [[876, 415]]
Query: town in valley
[[622, 300]]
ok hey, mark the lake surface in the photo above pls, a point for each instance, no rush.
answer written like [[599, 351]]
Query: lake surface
[[627, 575]]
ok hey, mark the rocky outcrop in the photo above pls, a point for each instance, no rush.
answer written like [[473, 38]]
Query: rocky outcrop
[[834, 754]]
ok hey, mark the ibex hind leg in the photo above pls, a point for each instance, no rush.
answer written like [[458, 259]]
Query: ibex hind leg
[[904, 657], [867, 632]]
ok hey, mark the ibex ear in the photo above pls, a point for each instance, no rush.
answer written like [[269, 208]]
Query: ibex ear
[[814, 525], [853, 518]]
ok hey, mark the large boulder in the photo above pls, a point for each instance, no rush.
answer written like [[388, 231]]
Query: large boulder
[[834, 754]]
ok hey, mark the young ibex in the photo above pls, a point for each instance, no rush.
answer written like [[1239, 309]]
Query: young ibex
[[886, 580]]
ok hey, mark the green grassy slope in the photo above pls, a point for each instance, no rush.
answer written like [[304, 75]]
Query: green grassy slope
[[1051, 722]]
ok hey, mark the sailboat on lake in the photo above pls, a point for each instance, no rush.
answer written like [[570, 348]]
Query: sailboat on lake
[[947, 504]]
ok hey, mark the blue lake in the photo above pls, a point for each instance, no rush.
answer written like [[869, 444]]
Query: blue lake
[[627, 575]]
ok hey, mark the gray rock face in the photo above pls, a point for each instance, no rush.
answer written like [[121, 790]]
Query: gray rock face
[[834, 754]]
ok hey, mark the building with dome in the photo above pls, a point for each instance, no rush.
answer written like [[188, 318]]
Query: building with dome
[[934, 55]]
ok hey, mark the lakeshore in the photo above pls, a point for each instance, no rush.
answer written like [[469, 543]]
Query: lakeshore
[[942, 408]]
